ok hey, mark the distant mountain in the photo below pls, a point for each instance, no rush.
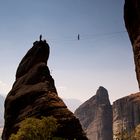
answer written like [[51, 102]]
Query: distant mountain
[[1, 111], [72, 104], [95, 116]]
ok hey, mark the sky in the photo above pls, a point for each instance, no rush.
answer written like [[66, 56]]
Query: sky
[[102, 57]]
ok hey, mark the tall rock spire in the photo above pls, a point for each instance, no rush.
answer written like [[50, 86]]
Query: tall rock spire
[[39, 53], [95, 116], [34, 95]]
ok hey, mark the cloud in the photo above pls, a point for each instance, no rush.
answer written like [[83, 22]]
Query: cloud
[[4, 88], [61, 88], [61, 91]]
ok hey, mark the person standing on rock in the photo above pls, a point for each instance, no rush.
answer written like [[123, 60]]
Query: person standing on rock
[[40, 37]]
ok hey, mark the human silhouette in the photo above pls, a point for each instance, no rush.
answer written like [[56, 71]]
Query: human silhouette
[[40, 37], [78, 37]]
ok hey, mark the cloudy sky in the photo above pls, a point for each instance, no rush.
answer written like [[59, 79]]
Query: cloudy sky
[[102, 57]]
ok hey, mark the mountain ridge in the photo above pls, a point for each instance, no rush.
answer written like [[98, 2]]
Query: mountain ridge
[[95, 115]]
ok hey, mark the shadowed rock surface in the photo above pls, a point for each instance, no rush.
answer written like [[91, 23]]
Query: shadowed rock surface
[[126, 114], [34, 95], [126, 111], [95, 116], [132, 23]]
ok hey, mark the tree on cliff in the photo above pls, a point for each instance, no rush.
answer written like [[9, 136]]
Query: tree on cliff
[[36, 129]]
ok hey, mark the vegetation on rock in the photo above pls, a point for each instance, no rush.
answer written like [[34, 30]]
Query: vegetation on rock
[[37, 129]]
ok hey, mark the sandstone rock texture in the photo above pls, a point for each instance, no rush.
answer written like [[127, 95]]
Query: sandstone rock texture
[[34, 95], [126, 114], [95, 116], [132, 23]]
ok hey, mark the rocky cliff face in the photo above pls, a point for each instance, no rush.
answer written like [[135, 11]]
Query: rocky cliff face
[[95, 116], [34, 94], [126, 111], [126, 114], [132, 22]]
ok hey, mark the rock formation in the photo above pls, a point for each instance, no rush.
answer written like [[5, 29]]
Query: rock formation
[[126, 114], [132, 23], [95, 116], [127, 110], [34, 95]]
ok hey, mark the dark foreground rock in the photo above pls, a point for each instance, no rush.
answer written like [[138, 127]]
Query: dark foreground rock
[[95, 116], [132, 23], [34, 95]]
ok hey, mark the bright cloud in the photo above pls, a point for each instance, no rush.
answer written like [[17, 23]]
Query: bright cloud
[[61, 91], [4, 88], [61, 88]]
